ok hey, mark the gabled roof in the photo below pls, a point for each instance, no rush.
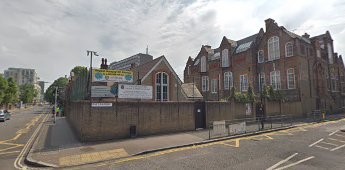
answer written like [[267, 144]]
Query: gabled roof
[[293, 35], [245, 43], [146, 69], [191, 91], [327, 34], [231, 42]]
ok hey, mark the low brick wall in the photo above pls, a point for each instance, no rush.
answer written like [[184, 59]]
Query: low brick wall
[[114, 122], [157, 117]]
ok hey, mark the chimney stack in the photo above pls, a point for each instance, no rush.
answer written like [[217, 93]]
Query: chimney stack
[[306, 35], [269, 23]]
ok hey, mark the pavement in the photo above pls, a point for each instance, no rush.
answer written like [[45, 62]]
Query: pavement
[[57, 145]]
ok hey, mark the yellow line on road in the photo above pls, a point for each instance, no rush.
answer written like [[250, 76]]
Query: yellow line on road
[[9, 148], [4, 153], [267, 136]]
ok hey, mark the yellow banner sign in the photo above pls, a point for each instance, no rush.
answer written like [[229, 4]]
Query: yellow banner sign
[[102, 75]]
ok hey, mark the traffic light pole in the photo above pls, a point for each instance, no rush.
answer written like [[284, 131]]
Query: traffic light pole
[[55, 104]]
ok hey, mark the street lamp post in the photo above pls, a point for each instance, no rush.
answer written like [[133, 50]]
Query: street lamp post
[[91, 53]]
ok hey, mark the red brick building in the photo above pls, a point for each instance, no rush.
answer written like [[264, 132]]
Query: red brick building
[[302, 68]]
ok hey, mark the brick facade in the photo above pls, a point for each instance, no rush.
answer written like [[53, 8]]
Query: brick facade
[[308, 68]]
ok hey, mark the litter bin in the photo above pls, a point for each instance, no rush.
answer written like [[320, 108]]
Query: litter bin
[[133, 131]]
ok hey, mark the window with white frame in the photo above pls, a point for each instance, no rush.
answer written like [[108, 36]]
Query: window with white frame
[[289, 49], [204, 83], [261, 58], [244, 82], [273, 48], [203, 64], [228, 81], [162, 84], [261, 81], [291, 78], [214, 84], [225, 58], [275, 80]]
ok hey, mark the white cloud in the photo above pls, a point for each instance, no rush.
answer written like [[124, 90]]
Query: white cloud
[[53, 36]]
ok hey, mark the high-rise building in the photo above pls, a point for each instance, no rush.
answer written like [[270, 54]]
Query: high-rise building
[[21, 75]]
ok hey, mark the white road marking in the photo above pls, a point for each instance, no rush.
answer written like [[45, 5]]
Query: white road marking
[[321, 147], [330, 143], [281, 162], [293, 164], [315, 142], [340, 135], [333, 133], [337, 140], [338, 147]]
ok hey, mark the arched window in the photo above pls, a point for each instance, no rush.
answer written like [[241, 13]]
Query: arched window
[[162, 86], [203, 64], [289, 49], [275, 80], [273, 48], [261, 56]]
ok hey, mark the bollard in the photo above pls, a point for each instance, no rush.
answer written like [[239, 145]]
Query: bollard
[[323, 115]]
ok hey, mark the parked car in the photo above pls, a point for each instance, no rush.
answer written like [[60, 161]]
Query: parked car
[[4, 115]]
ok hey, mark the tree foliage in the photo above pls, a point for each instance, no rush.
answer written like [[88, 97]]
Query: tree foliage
[[3, 87], [11, 93], [60, 83], [78, 70], [27, 93]]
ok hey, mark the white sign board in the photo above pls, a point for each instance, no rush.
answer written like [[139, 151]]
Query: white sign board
[[219, 127], [134, 92], [101, 104], [101, 91], [237, 128]]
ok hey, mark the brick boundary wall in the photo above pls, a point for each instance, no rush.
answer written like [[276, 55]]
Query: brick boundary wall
[[156, 117]]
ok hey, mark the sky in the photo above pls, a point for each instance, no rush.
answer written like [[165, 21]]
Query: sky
[[52, 36]]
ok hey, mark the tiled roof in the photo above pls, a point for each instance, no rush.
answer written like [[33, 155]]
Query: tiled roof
[[245, 43], [191, 91], [293, 35], [145, 68]]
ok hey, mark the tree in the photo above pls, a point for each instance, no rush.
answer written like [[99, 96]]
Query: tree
[[11, 93], [78, 70], [3, 87], [60, 83], [27, 93]]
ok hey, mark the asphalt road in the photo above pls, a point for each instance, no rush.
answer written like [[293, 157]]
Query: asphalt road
[[313, 146], [16, 132]]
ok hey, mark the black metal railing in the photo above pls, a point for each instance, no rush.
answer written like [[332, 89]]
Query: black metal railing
[[247, 125]]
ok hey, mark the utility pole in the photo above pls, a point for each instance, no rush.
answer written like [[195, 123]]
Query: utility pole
[[55, 104]]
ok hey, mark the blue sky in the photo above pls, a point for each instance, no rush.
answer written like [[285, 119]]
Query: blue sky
[[52, 36]]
